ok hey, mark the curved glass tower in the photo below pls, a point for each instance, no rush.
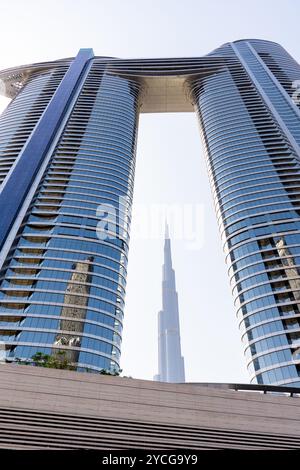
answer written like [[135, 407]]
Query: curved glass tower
[[62, 288], [251, 132], [67, 145]]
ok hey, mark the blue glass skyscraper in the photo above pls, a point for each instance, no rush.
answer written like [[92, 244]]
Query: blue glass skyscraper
[[67, 145], [251, 129]]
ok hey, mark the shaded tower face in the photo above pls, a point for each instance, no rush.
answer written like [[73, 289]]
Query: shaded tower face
[[67, 145]]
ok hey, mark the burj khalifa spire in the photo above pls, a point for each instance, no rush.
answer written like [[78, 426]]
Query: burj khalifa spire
[[170, 360]]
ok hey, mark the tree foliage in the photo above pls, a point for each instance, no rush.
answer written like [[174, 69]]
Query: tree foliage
[[58, 360]]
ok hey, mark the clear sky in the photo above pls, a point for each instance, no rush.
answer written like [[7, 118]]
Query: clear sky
[[170, 161]]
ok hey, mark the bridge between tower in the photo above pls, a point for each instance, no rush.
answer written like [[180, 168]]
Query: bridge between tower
[[164, 80]]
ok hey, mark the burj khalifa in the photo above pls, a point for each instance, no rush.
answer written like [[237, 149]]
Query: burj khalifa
[[170, 360]]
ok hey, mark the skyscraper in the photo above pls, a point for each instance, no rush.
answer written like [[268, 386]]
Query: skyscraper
[[170, 360], [67, 145]]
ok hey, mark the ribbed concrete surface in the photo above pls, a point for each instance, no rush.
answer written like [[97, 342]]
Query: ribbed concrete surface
[[42, 408]]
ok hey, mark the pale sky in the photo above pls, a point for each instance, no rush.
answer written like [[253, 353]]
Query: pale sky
[[170, 160]]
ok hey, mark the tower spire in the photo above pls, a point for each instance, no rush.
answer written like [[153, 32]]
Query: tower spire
[[170, 360], [167, 234]]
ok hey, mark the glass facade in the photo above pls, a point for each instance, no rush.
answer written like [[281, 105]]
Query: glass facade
[[251, 129], [62, 288]]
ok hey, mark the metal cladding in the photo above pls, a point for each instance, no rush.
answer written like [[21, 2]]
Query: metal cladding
[[244, 95]]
